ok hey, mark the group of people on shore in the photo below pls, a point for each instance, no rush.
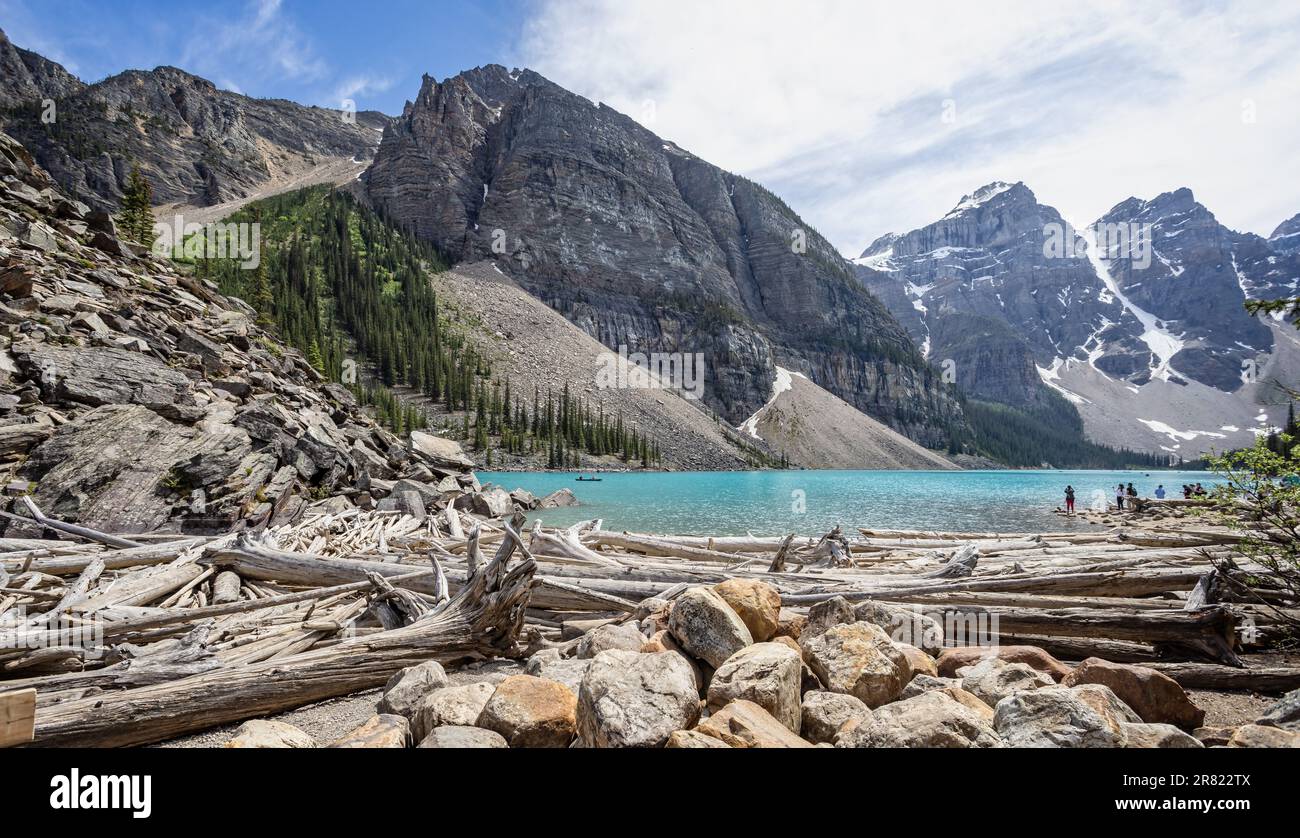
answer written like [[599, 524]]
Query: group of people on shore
[[1127, 494]]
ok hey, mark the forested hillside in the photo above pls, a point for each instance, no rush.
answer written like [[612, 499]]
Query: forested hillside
[[354, 295], [1050, 433]]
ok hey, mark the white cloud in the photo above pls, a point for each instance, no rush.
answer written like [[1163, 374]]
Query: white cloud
[[363, 85], [837, 105], [261, 43]]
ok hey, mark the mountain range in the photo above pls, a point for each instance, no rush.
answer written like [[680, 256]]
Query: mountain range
[[641, 244], [1137, 318]]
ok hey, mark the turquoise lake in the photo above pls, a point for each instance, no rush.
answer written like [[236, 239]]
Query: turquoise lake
[[811, 502]]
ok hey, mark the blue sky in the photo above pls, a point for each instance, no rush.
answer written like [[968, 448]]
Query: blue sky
[[866, 116], [310, 51]]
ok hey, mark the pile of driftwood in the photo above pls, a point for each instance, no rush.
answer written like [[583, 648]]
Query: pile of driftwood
[[134, 640], [1128, 595]]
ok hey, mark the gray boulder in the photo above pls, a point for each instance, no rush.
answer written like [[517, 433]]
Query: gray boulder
[[634, 700], [768, 674], [408, 687], [824, 713], [930, 720], [707, 627], [462, 736]]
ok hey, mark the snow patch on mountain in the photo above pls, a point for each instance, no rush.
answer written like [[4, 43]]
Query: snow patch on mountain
[[784, 381], [1163, 344], [978, 198], [1051, 376], [1176, 435]]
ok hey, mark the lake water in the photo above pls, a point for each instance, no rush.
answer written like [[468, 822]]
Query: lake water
[[811, 502]]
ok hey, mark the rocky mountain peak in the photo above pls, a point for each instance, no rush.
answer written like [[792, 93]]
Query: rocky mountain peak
[[29, 78], [641, 244], [995, 195], [1286, 238], [197, 144]]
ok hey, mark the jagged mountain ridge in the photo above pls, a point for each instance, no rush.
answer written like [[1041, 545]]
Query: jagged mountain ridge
[[1101, 321], [197, 144], [975, 288], [642, 244]]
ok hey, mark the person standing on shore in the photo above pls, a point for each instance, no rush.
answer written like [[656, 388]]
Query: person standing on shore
[[1119, 497], [1069, 499]]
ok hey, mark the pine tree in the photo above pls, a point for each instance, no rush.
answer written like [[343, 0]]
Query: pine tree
[[135, 219]]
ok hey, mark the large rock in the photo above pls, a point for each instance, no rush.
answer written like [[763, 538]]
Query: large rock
[[1155, 697], [953, 659], [635, 700], [831, 612], [408, 687], [558, 499], [462, 736], [1142, 735], [857, 659], [445, 453], [567, 671], [112, 467], [707, 627], [970, 700], [531, 712], [263, 733], [743, 724], [492, 502], [382, 731], [97, 376], [1054, 717], [922, 664], [992, 680], [767, 674], [1264, 736], [757, 603], [1284, 713], [662, 641], [450, 706], [923, 683], [824, 713], [1103, 699], [930, 720], [693, 739], [623, 636], [903, 624]]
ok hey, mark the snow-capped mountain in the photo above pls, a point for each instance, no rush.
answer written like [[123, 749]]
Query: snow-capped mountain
[[1286, 238], [1137, 318]]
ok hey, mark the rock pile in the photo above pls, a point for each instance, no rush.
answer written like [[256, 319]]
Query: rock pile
[[708, 682]]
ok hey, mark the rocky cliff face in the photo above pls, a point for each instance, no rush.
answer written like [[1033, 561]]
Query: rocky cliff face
[[136, 398], [642, 244], [198, 145]]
